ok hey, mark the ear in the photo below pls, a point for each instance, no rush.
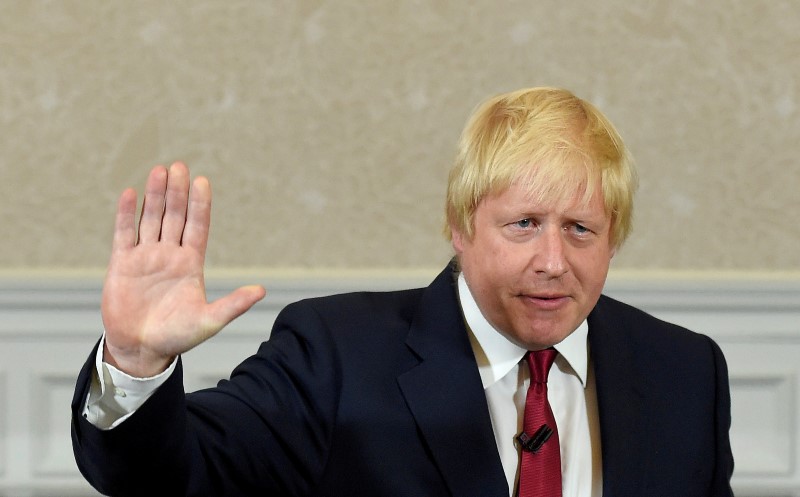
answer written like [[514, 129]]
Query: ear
[[458, 240]]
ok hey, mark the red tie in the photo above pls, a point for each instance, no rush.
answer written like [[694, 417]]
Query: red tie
[[540, 471]]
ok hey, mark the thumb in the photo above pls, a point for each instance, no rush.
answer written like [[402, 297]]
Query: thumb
[[225, 309]]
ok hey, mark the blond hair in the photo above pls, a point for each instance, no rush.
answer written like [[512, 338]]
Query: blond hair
[[549, 140]]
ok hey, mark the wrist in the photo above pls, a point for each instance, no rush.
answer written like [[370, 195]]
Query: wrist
[[137, 364]]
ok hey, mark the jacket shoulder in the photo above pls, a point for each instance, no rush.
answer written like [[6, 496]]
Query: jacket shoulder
[[613, 317], [354, 307]]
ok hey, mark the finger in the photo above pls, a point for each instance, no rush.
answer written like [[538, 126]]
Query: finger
[[175, 203], [225, 309], [153, 205], [125, 222], [198, 216]]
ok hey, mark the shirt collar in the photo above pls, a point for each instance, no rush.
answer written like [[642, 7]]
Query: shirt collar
[[496, 355]]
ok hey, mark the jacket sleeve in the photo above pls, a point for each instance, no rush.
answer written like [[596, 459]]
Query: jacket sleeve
[[724, 456], [264, 430]]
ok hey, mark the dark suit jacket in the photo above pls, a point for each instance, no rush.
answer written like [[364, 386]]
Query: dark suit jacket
[[378, 394]]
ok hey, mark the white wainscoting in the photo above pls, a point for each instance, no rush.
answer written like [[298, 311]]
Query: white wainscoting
[[47, 329]]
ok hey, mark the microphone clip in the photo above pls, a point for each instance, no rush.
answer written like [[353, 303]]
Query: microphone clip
[[535, 442]]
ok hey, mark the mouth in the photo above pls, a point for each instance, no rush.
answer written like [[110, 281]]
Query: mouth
[[548, 302]]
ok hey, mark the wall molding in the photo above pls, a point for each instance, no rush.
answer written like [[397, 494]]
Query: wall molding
[[48, 327]]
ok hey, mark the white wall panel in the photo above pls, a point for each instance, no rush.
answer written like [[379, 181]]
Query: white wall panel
[[765, 424], [4, 408], [49, 416]]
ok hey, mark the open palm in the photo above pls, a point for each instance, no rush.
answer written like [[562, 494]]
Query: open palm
[[154, 300]]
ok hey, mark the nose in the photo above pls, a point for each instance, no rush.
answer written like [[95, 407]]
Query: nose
[[549, 254]]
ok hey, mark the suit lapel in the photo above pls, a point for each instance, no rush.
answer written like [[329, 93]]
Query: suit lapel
[[446, 397], [621, 397]]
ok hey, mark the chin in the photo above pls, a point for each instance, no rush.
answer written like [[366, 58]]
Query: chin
[[547, 339], [536, 341]]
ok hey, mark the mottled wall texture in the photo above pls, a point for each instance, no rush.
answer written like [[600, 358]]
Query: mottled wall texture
[[327, 127]]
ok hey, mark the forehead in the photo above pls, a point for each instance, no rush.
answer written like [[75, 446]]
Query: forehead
[[520, 198]]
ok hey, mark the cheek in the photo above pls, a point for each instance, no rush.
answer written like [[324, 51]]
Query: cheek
[[592, 271], [499, 274]]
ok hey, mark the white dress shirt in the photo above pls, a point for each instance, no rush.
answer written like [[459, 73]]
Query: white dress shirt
[[570, 390]]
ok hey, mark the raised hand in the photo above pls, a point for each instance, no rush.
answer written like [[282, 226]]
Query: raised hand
[[154, 300]]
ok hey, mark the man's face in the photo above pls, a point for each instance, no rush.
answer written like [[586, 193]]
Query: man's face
[[536, 270]]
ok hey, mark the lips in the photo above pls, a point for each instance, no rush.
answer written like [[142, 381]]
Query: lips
[[549, 302]]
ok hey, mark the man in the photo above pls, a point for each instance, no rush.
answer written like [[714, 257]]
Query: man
[[418, 392]]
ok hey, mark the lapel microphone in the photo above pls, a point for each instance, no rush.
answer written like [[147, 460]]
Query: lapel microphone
[[535, 442]]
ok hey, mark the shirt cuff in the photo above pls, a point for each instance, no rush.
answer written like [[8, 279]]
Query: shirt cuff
[[114, 395]]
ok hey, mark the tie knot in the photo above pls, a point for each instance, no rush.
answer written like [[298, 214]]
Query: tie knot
[[539, 362]]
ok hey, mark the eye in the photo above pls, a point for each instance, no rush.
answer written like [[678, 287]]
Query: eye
[[579, 228], [522, 229], [524, 223]]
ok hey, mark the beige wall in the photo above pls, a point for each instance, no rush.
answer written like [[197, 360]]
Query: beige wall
[[327, 127]]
